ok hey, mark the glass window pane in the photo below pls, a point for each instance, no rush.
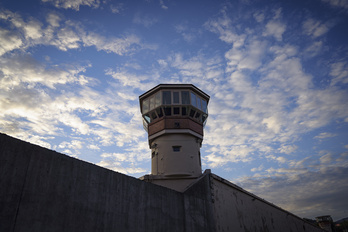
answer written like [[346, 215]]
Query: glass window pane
[[192, 113], [153, 115], [168, 111], [193, 99], [159, 112], [198, 116], [145, 106], [145, 125], [176, 110], [204, 119], [166, 98], [158, 99], [147, 117], [184, 111], [204, 106], [176, 98], [152, 103], [185, 97], [176, 148], [199, 103]]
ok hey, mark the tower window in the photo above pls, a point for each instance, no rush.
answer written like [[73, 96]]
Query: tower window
[[185, 97], [176, 110], [158, 99], [153, 115], [152, 103], [192, 113], [168, 111], [193, 100], [147, 117], [184, 111], [166, 98], [159, 112], [176, 148], [204, 106], [197, 115], [146, 106], [176, 98]]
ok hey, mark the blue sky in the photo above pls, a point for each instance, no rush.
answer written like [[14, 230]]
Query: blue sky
[[71, 72]]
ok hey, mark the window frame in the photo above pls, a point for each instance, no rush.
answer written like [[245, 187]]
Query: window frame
[[176, 148]]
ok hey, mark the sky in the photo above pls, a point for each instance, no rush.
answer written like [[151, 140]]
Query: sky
[[71, 72]]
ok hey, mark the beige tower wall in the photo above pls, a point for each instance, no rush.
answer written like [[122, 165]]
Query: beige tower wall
[[166, 162]]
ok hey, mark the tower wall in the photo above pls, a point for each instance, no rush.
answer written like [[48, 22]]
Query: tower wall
[[175, 123], [176, 155]]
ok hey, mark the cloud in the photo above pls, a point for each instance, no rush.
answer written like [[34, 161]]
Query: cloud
[[337, 3], [127, 162], [260, 168], [269, 96], [259, 16], [272, 123], [188, 33], [48, 101], [128, 79], [93, 147], [63, 35], [339, 72], [73, 4], [314, 49], [246, 57], [223, 26], [303, 191], [74, 144], [67, 39], [19, 69], [145, 20], [120, 46], [275, 28], [53, 19], [9, 41], [315, 28], [163, 6], [116, 9], [27, 89], [325, 135], [38, 107], [288, 149]]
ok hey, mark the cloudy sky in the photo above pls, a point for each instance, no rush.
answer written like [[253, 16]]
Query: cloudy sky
[[71, 72]]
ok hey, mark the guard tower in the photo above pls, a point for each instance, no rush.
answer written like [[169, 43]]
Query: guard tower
[[174, 116]]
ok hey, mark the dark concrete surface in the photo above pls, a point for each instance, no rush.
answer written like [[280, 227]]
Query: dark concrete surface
[[42, 190]]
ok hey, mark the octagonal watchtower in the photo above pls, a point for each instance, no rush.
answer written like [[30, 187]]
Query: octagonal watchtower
[[174, 116]]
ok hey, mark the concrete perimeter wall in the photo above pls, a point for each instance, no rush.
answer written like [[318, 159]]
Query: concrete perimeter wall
[[238, 210], [42, 190]]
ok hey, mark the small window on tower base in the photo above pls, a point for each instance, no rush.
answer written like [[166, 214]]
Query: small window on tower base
[[176, 148]]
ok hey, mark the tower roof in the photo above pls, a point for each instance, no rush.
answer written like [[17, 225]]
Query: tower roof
[[175, 86]]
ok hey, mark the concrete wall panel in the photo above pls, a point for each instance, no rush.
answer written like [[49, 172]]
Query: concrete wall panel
[[42, 190], [238, 210], [198, 206]]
